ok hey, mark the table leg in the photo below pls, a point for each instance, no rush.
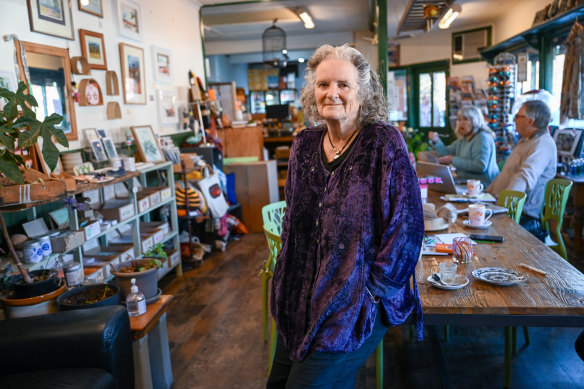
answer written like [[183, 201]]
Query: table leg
[[160, 368], [508, 341], [439, 358], [142, 373]]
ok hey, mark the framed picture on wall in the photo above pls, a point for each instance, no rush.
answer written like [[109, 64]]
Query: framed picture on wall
[[51, 17], [129, 19], [98, 151], [147, 143], [93, 49], [161, 59], [133, 78], [167, 106], [94, 7]]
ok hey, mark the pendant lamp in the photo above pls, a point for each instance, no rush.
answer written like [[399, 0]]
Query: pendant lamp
[[274, 46]]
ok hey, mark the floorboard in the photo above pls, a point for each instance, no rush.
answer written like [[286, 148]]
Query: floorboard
[[216, 341]]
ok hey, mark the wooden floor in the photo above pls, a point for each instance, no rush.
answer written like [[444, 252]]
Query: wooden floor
[[214, 329]]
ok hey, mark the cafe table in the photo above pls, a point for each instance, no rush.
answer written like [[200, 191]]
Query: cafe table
[[552, 300]]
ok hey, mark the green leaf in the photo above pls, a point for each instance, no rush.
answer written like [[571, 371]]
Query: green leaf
[[29, 137], [23, 100], [9, 167], [49, 124], [50, 151], [7, 141]]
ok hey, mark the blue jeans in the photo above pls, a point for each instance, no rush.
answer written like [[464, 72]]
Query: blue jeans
[[321, 369]]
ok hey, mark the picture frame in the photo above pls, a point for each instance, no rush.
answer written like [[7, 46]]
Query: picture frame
[[51, 17], [133, 74], [129, 19], [94, 7], [147, 144], [58, 172], [8, 81], [166, 100], [110, 148], [93, 49], [91, 134], [102, 133], [393, 55], [98, 150], [567, 140], [162, 64]]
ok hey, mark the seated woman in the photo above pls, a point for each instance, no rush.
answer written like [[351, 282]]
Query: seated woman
[[473, 154]]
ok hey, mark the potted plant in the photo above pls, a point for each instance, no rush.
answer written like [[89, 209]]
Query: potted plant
[[89, 296], [19, 130], [144, 270]]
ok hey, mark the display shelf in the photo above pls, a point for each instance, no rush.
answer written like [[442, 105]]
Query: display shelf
[[146, 212]]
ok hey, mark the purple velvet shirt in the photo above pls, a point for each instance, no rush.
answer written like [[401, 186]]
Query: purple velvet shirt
[[360, 226]]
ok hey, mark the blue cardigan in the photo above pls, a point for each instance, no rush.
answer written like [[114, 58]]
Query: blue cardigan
[[473, 159], [358, 227]]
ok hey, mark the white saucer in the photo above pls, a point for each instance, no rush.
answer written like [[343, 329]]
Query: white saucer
[[460, 282], [487, 224], [435, 224]]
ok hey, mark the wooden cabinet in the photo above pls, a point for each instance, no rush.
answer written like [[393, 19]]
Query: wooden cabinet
[[243, 142]]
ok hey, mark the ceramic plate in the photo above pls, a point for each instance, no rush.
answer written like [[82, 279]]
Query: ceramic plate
[[443, 226], [460, 282], [487, 224], [499, 275]]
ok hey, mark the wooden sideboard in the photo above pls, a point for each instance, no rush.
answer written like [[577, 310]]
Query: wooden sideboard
[[243, 142]]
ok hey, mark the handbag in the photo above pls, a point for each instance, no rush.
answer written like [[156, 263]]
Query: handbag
[[211, 189]]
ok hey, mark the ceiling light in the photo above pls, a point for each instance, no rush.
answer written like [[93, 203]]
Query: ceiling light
[[301, 60], [85, 2], [305, 17], [284, 51], [449, 16]]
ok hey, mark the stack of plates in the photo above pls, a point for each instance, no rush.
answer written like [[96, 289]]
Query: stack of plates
[[70, 160]]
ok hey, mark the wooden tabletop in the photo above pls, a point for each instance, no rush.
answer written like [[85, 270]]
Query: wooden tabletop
[[555, 298], [140, 325]]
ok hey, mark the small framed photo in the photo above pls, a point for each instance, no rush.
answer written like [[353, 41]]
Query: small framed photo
[[110, 148], [93, 49], [567, 140], [129, 19], [101, 133], [91, 134], [161, 58], [94, 7], [147, 143], [133, 77], [51, 17], [7, 80], [97, 149], [167, 106], [58, 172]]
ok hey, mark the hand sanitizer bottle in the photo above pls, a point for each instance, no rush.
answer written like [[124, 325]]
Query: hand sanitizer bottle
[[135, 301]]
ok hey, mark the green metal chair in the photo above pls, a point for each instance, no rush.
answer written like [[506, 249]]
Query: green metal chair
[[274, 214], [557, 191], [512, 200]]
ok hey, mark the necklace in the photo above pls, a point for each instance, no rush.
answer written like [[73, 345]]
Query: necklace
[[338, 152]]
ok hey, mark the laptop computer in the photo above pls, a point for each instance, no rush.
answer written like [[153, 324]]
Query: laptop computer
[[425, 169]]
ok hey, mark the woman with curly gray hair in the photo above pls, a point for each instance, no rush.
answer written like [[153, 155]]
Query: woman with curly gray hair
[[352, 231]]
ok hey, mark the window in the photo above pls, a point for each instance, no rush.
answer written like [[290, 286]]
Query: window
[[397, 94], [432, 99]]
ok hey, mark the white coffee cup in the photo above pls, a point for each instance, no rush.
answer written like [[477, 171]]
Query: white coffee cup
[[477, 214], [474, 187], [129, 164]]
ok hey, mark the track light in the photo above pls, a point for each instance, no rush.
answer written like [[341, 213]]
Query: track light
[[305, 17], [449, 16]]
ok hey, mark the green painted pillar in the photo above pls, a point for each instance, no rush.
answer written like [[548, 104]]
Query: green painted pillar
[[382, 45]]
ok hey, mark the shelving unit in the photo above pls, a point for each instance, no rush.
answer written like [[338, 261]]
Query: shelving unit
[[165, 179]]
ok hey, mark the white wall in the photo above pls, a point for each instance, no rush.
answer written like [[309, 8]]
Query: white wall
[[169, 24]]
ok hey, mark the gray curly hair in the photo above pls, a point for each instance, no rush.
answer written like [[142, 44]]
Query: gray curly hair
[[374, 107]]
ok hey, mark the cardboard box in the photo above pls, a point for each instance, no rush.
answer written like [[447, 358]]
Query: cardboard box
[[143, 202], [165, 194], [256, 185], [153, 194], [92, 230], [163, 226], [67, 241], [173, 257], [119, 210], [156, 234], [126, 251]]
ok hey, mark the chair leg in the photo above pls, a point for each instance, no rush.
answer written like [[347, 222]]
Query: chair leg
[[526, 335], [273, 341], [379, 364], [508, 335], [265, 305], [514, 340]]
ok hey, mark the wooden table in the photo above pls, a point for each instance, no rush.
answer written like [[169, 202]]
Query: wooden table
[[552, 300], [152, 367]]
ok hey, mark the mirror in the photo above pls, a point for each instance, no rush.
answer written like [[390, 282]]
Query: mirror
[[50, 79]]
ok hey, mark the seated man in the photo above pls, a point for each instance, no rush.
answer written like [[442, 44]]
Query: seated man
[[532, 163]]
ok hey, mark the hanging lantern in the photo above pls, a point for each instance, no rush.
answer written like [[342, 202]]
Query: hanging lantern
[[274, 46], [430, 13]]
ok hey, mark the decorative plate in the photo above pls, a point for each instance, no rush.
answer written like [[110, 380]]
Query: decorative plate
[[499, 275], [487, 224], [460, 282], [435, 226]]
